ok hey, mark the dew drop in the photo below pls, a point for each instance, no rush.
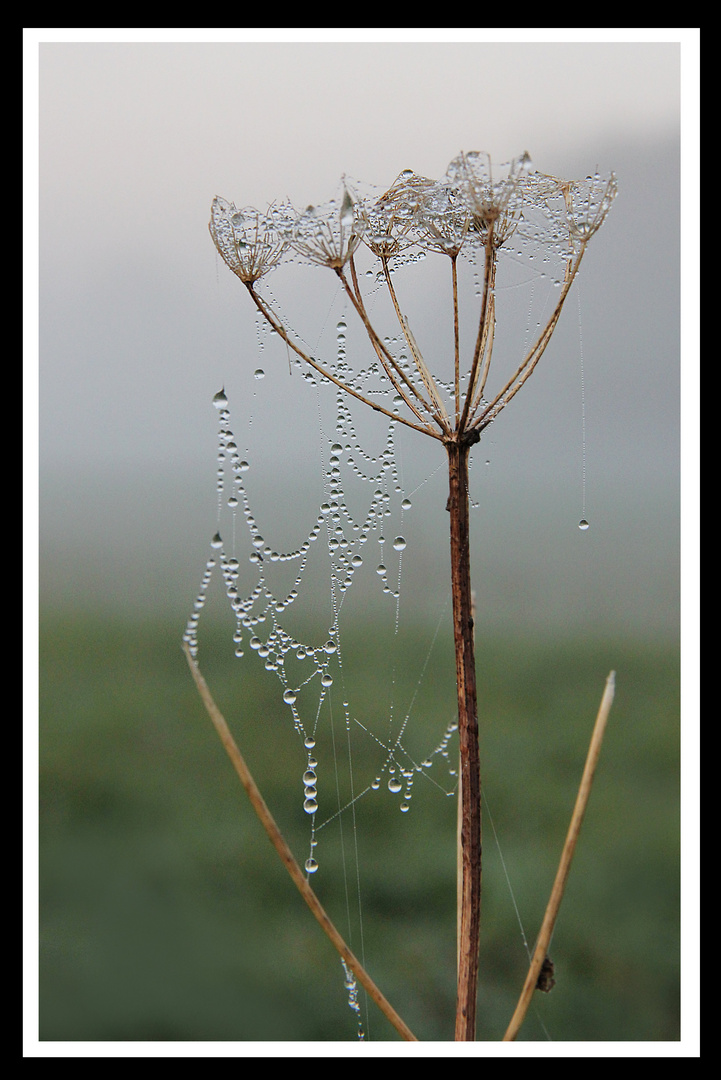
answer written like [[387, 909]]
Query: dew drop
[[220, 400], [583, 524], [310, 806], [326, 680], [394, 785], [289, 697], [310, 866], [399, 543], [259, 374], [216, 542]]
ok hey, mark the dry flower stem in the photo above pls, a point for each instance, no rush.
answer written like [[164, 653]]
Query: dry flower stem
[[286, 855], [470, 774], [489, 277], [381, 351], [564, 866], [526, 368]]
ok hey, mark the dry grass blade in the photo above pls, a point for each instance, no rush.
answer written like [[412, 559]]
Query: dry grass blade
[[286, 855], [564, 866]]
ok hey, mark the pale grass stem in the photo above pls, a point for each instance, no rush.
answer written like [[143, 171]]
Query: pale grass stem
[[549, 920], [286, 855]]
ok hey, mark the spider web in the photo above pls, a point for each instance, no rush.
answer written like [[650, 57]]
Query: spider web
[[348, 749], [306, 671]]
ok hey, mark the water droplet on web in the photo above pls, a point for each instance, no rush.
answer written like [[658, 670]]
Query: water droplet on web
[[310, 866], [399, 543], [583, 524], [394, 785], [220, 400], [216, 542], [289, 697], [259, 374], [310, 806]]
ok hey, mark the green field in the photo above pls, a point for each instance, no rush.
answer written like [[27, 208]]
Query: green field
[[166, 915]]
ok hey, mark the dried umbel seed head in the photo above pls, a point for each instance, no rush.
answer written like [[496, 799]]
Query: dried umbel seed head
[[587, 202], [492, 194], [476, 206], [328, 235], [390, 221], [250, 242]]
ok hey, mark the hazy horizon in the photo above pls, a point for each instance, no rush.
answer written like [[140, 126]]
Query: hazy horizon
[[140, 324]]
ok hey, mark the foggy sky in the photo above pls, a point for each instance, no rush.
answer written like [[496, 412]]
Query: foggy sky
[[140, 324]]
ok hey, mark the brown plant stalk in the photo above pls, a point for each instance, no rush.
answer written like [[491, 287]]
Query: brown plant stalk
[[470, 771]]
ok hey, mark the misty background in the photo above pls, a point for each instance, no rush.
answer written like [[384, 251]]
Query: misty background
[[162, 917], [141, 323]]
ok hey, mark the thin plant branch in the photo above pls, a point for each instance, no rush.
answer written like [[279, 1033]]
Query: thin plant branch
[[287, 858], [564, 866], [439, 411], [382, 352], [485, 356], [527, 366], [489, 275], [267, 314], [456, 338]]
